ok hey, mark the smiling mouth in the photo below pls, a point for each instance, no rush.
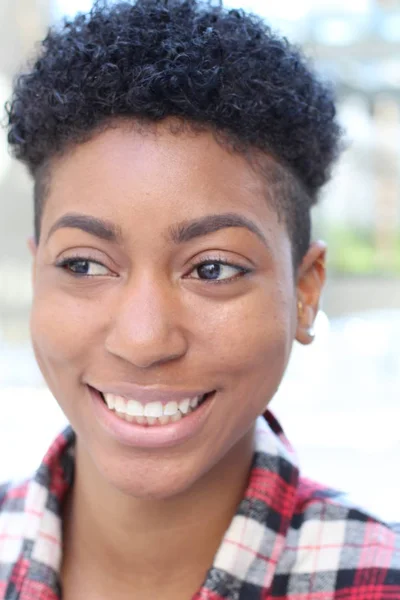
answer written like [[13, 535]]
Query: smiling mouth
[[152, 413]]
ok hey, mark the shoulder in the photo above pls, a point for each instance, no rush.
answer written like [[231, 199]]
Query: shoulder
[[3, 491], [337, 546], [52, 479], [12, 497], [343, 523], [315, 499]]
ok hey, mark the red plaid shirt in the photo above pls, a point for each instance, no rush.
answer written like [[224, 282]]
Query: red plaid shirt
[[291, 539]]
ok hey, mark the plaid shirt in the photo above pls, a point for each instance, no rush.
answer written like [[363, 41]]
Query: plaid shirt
[[291, 539]]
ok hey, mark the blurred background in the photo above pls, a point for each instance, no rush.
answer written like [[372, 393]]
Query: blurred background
[[339, 400]]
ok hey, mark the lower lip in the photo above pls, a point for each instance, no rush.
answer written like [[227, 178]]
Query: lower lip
[[152, 436]]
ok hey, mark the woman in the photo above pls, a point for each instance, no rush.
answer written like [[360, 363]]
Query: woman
[[176, 150]]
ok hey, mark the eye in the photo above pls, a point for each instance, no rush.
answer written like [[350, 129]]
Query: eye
[[218, 271], [83, 267]]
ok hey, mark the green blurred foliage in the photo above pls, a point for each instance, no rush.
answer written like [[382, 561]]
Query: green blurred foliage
[[354, 251]]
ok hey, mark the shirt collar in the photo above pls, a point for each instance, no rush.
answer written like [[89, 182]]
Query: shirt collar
[[249, 550], [256, 537]]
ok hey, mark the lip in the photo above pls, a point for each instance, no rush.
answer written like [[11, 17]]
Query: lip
[[149, 394], [154, 436]]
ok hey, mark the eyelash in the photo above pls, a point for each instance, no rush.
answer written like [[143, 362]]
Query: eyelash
[[211, 260], [68, 262], [71, 260]]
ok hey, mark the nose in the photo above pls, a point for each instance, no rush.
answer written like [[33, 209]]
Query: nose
[[146, 330]]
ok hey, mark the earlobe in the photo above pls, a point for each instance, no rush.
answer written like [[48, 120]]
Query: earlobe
[[32, 246], [310, 282], [305, 323]]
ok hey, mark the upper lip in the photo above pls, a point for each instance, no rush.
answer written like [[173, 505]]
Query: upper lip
[[149, 394]]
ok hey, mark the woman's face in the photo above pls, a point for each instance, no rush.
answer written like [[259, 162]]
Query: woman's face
[[162, 274]]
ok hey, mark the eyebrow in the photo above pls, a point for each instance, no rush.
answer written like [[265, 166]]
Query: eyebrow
[[188, 230], [179, 233], [97, 227]]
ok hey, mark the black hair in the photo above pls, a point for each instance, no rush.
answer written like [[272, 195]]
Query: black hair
[[220, 69]]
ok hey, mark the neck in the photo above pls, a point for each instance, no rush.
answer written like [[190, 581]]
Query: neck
[[174, 539]]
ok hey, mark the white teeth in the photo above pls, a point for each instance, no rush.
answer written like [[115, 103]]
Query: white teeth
[[184, 406], [176, 417], [194, 402], [171, 408], [164, 420], [134, 408], [152, 413], [153, 409], [110, 400], [120, 404]]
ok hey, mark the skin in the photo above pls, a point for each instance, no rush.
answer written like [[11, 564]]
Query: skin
[[147, 317]]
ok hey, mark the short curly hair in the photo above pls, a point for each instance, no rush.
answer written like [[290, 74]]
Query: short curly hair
[[213, 68]]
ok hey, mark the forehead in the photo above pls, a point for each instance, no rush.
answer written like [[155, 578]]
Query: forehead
[[155, 173]]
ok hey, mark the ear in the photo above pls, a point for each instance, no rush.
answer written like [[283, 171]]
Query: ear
[[310, 281], [32, 247]]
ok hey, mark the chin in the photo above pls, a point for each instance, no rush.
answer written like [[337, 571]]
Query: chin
[[152, 487], [150, 478]]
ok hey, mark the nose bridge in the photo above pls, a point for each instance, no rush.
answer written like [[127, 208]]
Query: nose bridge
[[146, 326]]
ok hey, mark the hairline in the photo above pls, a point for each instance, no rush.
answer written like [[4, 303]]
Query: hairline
[[282, 182]]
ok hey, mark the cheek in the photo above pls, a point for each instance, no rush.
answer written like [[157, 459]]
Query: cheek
[[254, 335], [61, 330]]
